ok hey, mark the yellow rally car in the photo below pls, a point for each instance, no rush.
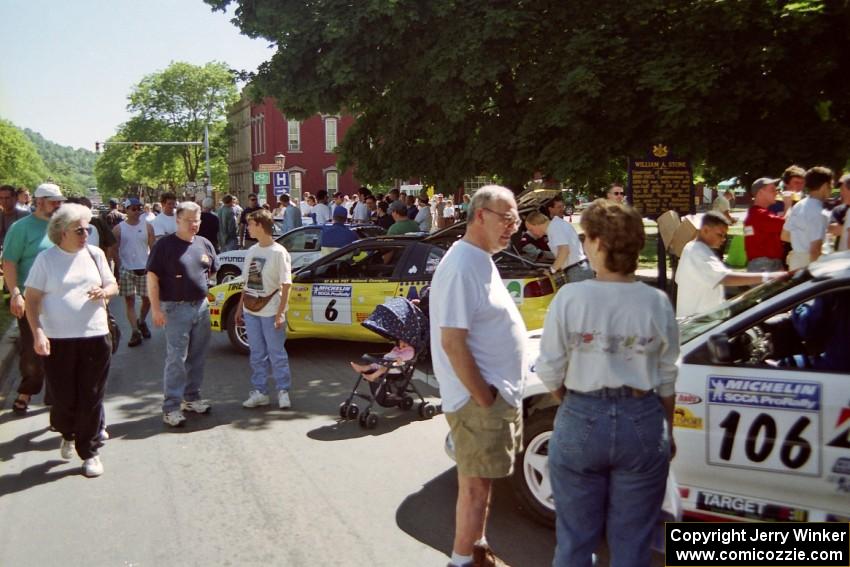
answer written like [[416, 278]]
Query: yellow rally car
[[332, 296]]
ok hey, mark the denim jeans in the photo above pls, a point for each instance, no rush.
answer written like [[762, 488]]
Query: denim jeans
[[764, 264], [608, 464], [268, 354], [187, 336], [580, 272]]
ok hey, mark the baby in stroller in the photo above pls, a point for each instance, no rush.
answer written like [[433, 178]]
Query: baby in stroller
[[390, 376], [402, 352]]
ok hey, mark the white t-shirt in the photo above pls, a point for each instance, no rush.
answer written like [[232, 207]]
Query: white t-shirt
[[699, 275], [807, 222], [361, 212], [163, 225], [468, 293], [65, 279], [609, 334], [148, 217], [264, 271], [323, 213], [562, 233], [721, 204]]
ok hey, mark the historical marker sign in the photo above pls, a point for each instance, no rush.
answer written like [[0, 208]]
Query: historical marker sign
[[661, 183]]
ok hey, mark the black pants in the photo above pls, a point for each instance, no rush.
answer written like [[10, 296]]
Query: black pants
[[30, 364], [76, 373]]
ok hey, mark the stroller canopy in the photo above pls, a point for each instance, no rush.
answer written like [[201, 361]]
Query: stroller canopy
[[399, 319]]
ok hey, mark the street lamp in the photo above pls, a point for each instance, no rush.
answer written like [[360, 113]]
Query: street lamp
[[280, 160]]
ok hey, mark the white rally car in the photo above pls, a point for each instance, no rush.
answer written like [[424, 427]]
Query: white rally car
[[761, 434], [304, 245]]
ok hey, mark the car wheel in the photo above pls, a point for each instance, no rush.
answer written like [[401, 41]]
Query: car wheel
[[530, 480], [228, 273], [236, 333]]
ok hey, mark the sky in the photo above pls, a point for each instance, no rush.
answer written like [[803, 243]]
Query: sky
[[67, 66]]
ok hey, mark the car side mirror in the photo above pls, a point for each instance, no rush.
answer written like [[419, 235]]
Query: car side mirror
[[719, 349]]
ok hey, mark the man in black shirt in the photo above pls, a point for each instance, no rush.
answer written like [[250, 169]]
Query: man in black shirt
[[253, 205], [209, 223], [179, 267]]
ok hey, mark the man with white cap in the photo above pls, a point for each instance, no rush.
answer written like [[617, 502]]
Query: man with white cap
[[24, 241]]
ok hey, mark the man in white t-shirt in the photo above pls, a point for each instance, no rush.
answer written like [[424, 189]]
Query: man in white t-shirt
[[806, 223], [477, 340], [362, 213], [701, 276], [723, 205], [321, 210], [165, 223], [134, 238], [564, 243]]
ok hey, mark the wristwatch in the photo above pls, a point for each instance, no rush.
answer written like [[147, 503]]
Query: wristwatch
[[552, 269]]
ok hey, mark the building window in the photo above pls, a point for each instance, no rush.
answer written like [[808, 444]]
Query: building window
[[294, 135], [258, 134], [332, 182], [295, 184], [330, 134], [473, 184]]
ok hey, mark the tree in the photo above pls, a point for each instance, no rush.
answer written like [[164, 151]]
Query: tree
[[20, 163], [173, 105], [447, 89], [73, 168]]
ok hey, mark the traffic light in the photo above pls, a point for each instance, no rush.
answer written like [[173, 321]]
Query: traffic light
[[97, 147]]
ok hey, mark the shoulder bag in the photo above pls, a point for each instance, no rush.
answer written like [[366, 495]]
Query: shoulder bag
[[114, 330]]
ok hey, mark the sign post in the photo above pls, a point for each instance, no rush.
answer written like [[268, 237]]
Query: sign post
[[261, 179]]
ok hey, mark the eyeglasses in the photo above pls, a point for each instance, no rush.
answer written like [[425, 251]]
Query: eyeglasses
[[508, 219], [79, 231], [617, 193]]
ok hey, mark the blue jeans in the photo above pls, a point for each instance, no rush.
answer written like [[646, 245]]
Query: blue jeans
[[764, 265], [187, 336], [268, 354], [608, 463]]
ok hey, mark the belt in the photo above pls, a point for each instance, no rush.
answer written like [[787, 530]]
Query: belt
[[621, 392], [579, 263]]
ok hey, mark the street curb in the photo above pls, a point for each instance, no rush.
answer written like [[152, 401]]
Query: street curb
[[8, 353]]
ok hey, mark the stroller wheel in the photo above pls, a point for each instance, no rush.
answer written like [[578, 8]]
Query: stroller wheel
[[406, 403], [353, 410], [372, 421], [363, 417], [343, 410], [427, 410]]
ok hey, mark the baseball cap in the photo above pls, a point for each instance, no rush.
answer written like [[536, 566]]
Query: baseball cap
[[398, 207], [340, 211], [762, 182], [132, 202], [49, 191]]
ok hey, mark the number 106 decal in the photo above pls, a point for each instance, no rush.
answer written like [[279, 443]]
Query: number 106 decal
[[772, 425]]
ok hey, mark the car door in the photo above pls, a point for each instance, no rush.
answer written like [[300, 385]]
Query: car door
[[333, 296], [304, 246], [760, 435]]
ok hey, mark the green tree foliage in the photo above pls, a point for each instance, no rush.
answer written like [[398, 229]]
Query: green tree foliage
[[448, 89], [171, 106], [72, 168], [20, 163]]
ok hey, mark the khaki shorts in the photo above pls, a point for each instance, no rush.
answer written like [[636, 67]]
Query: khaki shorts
[[486, 440]]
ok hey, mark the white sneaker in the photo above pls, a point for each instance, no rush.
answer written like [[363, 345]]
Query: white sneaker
[[93, 467], [103, 435], [255, 400], [66, 449], [174, 418], [197, 406], [283, 401]]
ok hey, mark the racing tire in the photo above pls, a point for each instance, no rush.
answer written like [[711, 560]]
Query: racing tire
[[530, 480], [236, 333], [227, 273]]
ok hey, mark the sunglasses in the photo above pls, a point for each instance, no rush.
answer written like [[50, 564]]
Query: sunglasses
[[617, 193]]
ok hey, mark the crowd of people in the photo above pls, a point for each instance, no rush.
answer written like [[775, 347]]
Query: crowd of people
[[609, 364]]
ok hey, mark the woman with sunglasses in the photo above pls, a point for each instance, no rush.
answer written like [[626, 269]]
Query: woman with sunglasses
[[66, 293]]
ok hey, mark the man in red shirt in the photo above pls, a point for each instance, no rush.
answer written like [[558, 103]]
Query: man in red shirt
[[762, 228]]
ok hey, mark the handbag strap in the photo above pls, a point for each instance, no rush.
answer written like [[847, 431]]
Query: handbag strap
[[99, 273]]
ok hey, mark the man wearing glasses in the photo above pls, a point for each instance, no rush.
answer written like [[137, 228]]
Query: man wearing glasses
[[477, 340], [134, 238], [616, 193], [701, 276], [253, 205], [24, 241]]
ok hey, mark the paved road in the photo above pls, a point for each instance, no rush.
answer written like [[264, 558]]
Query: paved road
[[241, 487]]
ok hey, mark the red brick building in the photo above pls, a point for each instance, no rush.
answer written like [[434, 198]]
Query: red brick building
[[307, 144]]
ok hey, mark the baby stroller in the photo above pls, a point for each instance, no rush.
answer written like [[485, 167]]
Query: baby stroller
[[397, 320]]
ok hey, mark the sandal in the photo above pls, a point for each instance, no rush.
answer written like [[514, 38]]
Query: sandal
[[20, 406]]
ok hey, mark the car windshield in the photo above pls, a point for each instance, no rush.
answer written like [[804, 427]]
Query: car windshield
[[695, 325]]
